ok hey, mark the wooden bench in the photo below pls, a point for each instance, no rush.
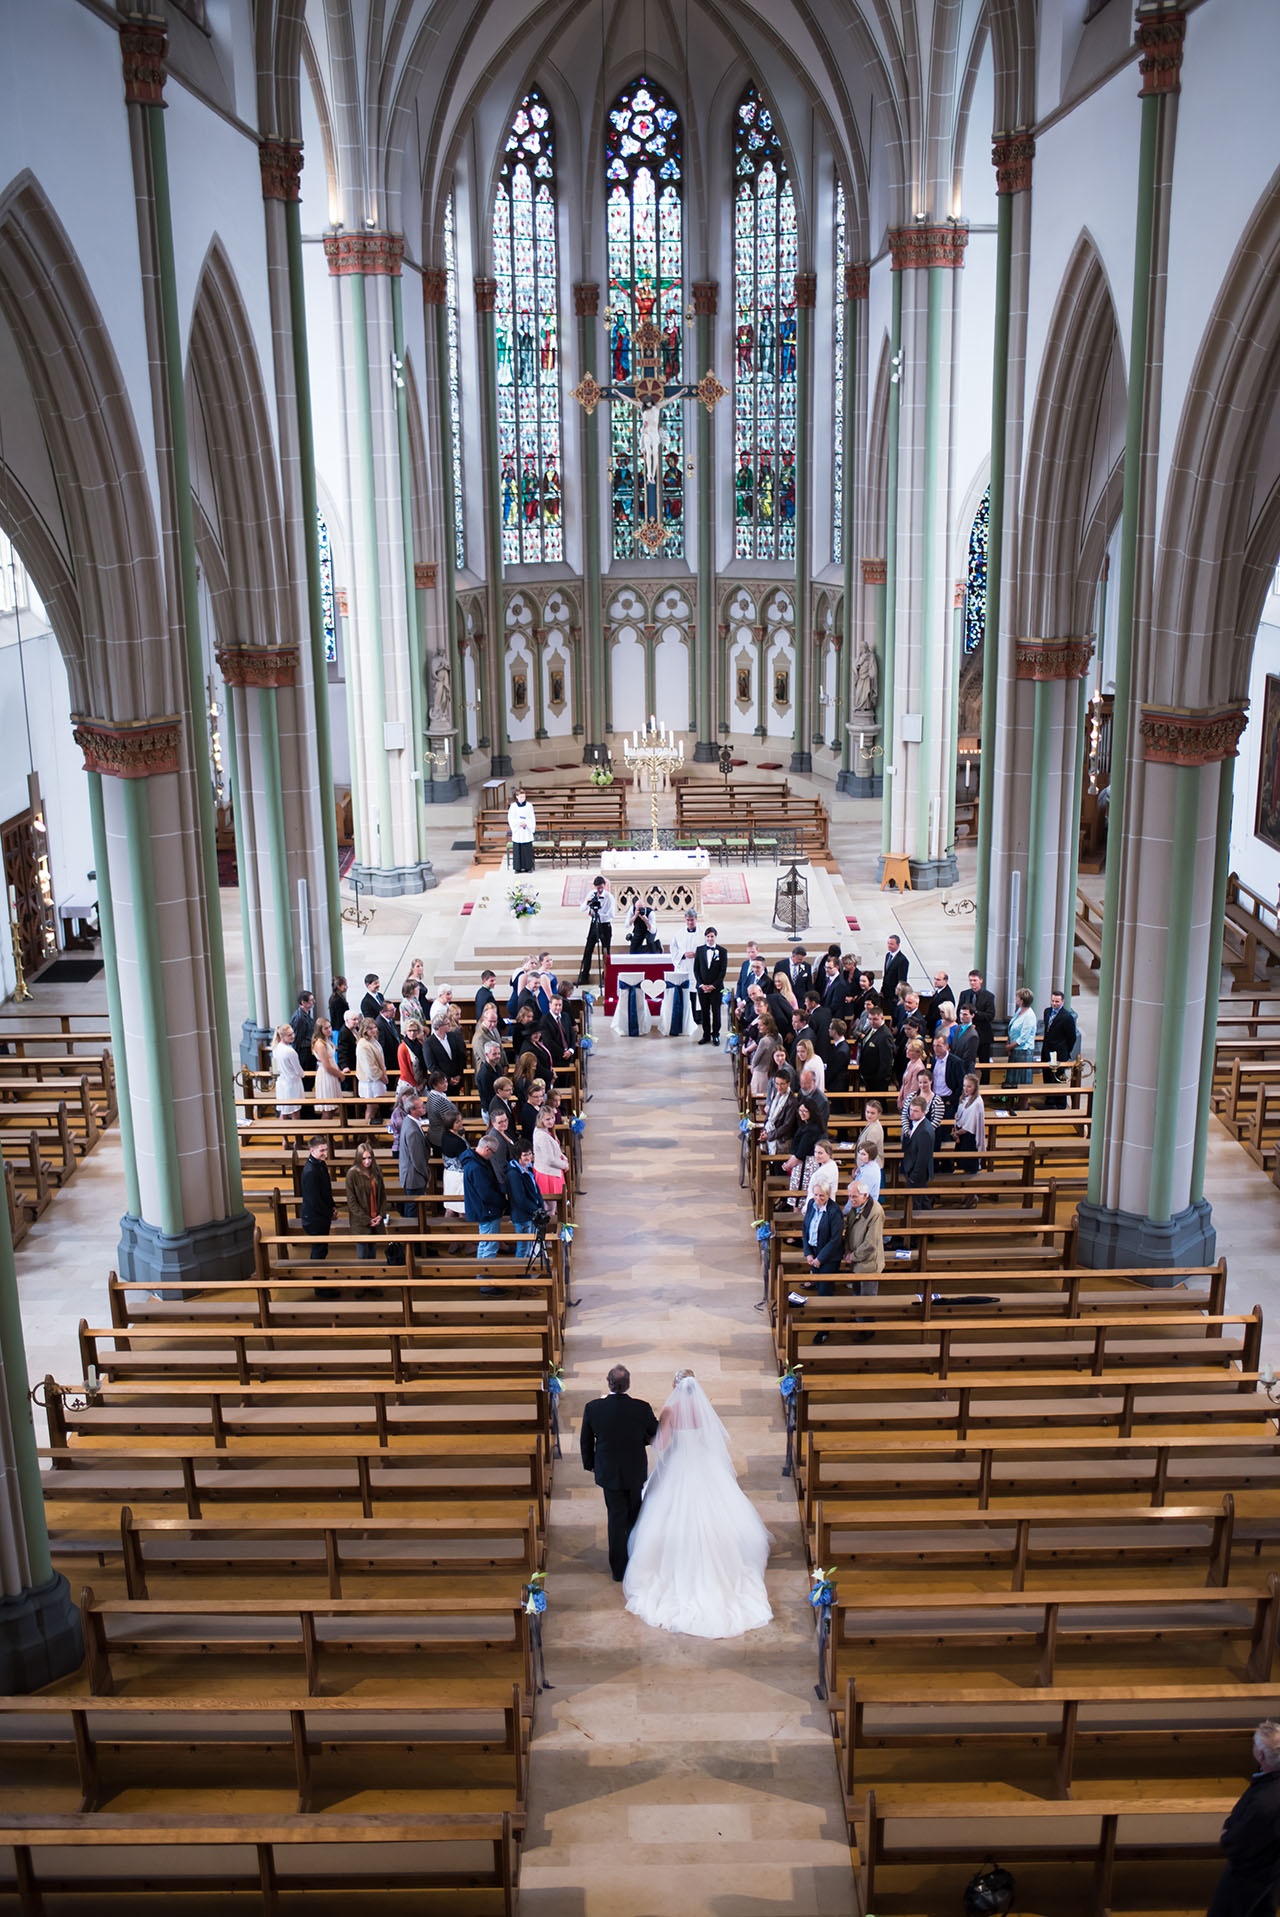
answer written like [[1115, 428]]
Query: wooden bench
[[369, 1352], [1088, 928], [446, 1862], [438, 1639], [1252, 926]]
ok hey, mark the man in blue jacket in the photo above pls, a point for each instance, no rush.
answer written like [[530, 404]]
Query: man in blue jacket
[[483, 1196]]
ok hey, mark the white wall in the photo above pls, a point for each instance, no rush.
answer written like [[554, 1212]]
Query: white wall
[[1252, 859]]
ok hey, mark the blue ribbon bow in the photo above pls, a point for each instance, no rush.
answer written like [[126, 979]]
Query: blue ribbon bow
[[822, 1597], [679, 986], [633, 1010]]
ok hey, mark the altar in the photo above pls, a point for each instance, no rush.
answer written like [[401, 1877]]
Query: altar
[[669, 879], [654, 967]]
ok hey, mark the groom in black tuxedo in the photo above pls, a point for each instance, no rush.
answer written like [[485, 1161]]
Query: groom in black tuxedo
[[615, 1432]]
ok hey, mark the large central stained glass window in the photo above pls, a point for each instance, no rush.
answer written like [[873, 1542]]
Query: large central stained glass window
[[838, 386], [764, 391], [455, 380], [528, 339], [644, 166]]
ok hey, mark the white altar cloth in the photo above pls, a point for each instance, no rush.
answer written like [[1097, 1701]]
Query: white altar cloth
[[669, 879]]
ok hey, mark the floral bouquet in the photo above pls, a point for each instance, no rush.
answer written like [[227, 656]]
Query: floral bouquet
[[601, 775], [524, 903]]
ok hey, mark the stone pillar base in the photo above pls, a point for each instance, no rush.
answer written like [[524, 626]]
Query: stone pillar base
[[444, 791], [251, 1036], [928, 875], [393, 881], [801, 762], [593, 754], [1108, 1239], [214, 1253], [40, 1637], [500, 766], [859, 787], [704, 753]]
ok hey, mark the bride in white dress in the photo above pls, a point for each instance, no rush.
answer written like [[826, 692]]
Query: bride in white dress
[[699, 1549]]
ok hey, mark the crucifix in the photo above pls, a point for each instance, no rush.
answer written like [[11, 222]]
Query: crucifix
[[649, 392]]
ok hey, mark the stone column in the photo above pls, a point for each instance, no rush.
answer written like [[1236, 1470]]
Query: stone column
[[486, 293], [539, 696], [1012, 155], [863, 728], [839, 737], [857, 286], [762, 675], [650, 669], [927, 257], [606, 684], [381, 662], [577, 693], [723, 693], [1160, 41], [313, 829], [706, 298], [893, 462], [806, 289], [1055, 669], [1150, 1208], [435, 300], [255, 678], [592, 660]]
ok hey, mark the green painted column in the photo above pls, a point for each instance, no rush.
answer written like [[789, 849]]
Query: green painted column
[[115, 1010], [26, 1456], [239, 804], [1037, 825], [762, 678], [418, 759], [539, 693], [1135, 429], [382, 850], [856, 288], [931, 637], [174, 399], [482, 696], [888, 727], [269, 730], [953, 728], [723, 678], [1177, 961], [806, 291], [135, 802], [594, 659], [706, 300], [577, 688], [1066, 961], [1213, 975], [315, 603], [650, 670], [486, 295], [435, 295]]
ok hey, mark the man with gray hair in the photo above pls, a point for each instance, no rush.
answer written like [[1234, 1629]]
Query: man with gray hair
[[1251, 1837]]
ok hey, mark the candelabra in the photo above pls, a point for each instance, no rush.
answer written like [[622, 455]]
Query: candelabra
[[658, 752]]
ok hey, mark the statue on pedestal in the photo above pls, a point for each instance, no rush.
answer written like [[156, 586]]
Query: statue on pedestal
[[441, 695], [866, 679]]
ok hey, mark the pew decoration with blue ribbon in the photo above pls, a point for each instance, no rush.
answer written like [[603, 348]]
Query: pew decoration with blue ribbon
[[822, 1595], [586, 1043], [731, 1045], [566, 1234], [764, 1232], [789, 1387], [679, 1015], [534, 1594], [555, 1389]]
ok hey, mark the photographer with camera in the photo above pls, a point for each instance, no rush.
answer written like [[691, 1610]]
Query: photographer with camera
[[599, 902]]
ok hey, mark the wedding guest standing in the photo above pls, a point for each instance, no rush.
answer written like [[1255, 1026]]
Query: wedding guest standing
[[328, 1079], [371, 1069], [709, 963], [522, 823], [287, 1067], [317, 1197], [550, 1161], [366, 1198]]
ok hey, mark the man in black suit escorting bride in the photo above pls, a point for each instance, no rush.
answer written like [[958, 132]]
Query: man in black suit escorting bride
[[615, 1433]]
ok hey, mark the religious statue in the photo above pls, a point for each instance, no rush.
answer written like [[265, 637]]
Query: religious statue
[[787, 340], [765, 339], [510, 490], [529, 490], [441, 695], [672, 488], [524, 341], [764, 490], [866, 678], [744, 487], [551, 491], [744, 341]]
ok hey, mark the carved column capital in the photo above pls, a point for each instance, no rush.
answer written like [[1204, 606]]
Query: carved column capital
[[706, 297], [136, 750], [874, 572], [369, 253], [1052, 658], [586, 299], [1159, 38], [723, 631], [435, 285], [281, 164], [806, 285], [143, 49], [925, 245], [1171, 736], [1011, 156], [260, 666], [486, 289], [424, 574], [857, 280]]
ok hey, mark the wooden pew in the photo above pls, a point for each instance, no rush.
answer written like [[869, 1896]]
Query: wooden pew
[[376, 1638], [1088, 928], [284, 1352], [447, 1861]]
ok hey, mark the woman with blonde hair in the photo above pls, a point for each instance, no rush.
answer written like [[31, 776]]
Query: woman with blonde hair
[[287, 1067], [371, 1069], [762, 1056], [807, 1058], [550, 1161], [328, 1077], [916, 1077]]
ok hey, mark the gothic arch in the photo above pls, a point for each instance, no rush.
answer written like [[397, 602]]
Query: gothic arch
[[114, 628], [1207, 564]]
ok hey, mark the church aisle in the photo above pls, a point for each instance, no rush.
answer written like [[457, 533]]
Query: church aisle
[[669, 1773]]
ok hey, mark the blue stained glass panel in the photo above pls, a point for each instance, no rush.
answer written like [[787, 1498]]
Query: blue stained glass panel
[[327, 611], [764, 269], [527, 325], [837, 411], [975, 595], [455, 380]]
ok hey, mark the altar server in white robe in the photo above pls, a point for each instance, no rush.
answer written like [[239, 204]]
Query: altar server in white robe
[[684, 943]]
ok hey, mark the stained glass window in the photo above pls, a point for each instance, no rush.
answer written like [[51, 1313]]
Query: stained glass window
[[764, 298], [837, 412], [975, 596], [644, 168], [326, 588], [455, 392], [528, 336]]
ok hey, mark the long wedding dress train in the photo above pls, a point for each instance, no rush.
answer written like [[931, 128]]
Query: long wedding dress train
[[699, 1549]]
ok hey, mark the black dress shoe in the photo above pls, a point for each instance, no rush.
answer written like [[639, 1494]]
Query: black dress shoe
[[704, 1041], [617, 1577]]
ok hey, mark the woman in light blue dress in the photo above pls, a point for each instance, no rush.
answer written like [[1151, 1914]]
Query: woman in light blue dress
[[1022, 1037]]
